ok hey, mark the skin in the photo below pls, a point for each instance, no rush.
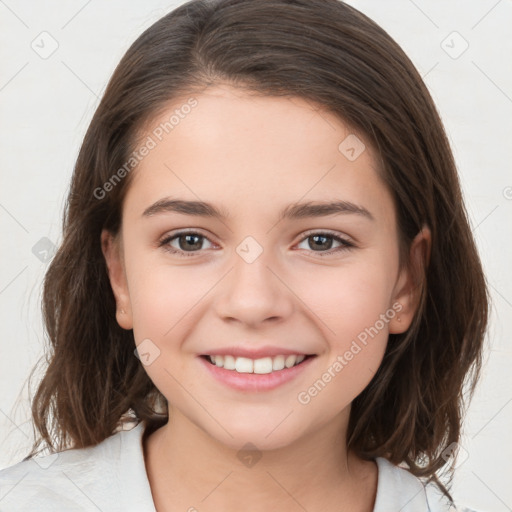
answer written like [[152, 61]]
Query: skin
[[254, 155]]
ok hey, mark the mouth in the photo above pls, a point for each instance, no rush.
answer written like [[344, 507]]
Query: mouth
[[264, 365]]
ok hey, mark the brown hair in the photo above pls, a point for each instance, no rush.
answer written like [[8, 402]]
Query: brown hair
[[327, 52]]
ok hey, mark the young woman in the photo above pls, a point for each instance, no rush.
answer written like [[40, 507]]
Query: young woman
[[268, 267]]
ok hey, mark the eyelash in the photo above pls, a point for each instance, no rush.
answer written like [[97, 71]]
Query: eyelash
[[345, 244]]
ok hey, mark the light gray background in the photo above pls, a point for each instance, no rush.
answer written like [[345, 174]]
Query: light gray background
[[47, 103]]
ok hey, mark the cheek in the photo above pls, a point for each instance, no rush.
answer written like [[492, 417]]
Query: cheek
[[163, 296], [354, 307], [347, 300]]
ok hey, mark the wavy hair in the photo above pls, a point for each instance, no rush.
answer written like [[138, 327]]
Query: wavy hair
[[331, 54]]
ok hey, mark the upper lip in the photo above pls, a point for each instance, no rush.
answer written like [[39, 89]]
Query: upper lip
[[255, 353]]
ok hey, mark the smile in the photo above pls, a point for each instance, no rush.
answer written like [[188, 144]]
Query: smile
[[256, 375], [259, 366]]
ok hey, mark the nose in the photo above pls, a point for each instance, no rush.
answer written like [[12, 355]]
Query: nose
[[254, 293]]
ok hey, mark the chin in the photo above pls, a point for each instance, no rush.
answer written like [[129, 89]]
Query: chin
[[268, 434]]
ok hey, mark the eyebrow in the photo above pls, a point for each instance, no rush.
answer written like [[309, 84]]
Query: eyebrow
[[292, 211]]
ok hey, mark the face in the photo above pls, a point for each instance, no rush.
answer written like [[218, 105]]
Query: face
[[273, 274]]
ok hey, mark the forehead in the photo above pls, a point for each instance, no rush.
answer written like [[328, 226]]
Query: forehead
[[232, 147]]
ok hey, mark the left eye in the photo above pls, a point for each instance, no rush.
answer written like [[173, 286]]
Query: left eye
[[324, 241], [190, 242]]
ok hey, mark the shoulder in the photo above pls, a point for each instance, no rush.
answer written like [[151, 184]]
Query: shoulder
[[90, 478], [398, 489]]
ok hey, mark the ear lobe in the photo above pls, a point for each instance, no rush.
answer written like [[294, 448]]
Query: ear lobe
[[112, 252], [410, 282]]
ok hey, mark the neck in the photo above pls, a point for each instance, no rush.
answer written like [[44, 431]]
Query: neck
[[189, 470]]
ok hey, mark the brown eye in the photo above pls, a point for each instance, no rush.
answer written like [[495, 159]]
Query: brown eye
[[189, 241], [184, 242], [321, 242]]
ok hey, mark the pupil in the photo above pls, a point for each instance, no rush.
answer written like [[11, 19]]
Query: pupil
[[322, 242], [319, 245], [188, 237]]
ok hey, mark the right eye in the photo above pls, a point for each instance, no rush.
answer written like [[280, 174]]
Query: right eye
[[188, 243]]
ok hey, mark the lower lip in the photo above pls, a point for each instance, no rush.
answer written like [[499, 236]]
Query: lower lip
[[255, 381]]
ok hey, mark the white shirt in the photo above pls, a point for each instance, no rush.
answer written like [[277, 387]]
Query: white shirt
[[111, 477]]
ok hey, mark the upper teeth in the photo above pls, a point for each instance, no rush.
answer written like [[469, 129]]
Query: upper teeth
[[263, 365]]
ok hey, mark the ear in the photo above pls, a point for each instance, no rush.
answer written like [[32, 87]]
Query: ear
[[407, 292], [111, 247]]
